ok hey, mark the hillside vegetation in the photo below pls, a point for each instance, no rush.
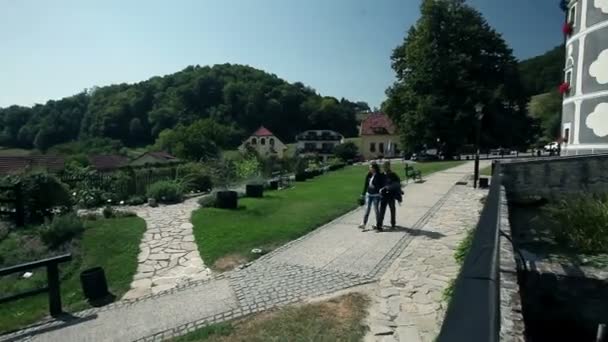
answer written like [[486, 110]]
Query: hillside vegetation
[[239, 98]]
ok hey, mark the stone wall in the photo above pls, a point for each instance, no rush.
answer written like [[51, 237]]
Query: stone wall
[[556, 177], [511, 317]]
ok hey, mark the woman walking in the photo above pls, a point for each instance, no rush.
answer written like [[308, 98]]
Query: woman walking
[[374, 181]]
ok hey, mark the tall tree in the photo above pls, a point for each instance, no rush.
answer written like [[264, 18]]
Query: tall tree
[[451, 60]]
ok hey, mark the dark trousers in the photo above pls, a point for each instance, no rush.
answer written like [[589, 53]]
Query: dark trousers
[[390, 202]]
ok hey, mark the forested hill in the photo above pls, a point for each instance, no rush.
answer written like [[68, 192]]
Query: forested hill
[[544, 73], [233, 95]]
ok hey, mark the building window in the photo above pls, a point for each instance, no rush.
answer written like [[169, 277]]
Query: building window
[[271, 141], [566, 135], [381, 147], [262, 141], [572, 15], [568, 77], [372, 147], [254, 141]]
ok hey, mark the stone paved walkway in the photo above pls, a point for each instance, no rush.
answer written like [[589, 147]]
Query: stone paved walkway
[[407, 303], [334, 257], [168, 254]]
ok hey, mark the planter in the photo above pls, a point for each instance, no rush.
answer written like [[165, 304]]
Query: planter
[[301, 177], [226, 199], [254, 190], [273, 185], [484, 182], [94, 284]]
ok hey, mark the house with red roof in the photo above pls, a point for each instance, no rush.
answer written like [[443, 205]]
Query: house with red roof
[[20, 164], [265, 143], [108, 162], [155, 158], [379, 137]]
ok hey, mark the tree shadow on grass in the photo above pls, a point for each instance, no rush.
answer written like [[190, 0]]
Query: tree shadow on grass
[[411, 231]]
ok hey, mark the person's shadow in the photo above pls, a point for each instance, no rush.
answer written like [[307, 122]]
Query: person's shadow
[[426, 233]]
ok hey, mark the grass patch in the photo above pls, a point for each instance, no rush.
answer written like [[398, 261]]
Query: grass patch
[[580, 223], [110, 243], [486, 171], [460, 254], [338, 319], [282, 216]]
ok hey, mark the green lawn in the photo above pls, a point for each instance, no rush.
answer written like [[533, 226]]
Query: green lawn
[[338, 319], [112, 244], [282, 216], [486, 171]]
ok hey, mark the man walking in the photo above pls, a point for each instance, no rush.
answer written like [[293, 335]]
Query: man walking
[[390, 193]]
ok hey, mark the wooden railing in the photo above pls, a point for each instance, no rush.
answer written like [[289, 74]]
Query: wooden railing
[[53, 282]]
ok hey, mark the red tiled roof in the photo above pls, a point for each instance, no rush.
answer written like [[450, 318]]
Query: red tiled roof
[[108, 162], [20, 164], [262, 132], [377, 124]]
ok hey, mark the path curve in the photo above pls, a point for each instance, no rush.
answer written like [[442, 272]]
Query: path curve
[[168, 254]]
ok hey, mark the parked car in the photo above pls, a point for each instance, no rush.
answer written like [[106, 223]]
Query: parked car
[[551, 146], [423, 157]]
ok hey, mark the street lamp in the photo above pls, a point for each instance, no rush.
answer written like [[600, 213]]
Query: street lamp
[[479, 116]]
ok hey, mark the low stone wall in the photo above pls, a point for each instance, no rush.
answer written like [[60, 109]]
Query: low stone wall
[[556, 177], [511, 317]]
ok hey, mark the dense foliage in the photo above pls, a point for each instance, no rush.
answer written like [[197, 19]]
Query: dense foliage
[[346, 151], [542, 74], [135, 114], [166, 192], [580, 222], [451, 60], [61, 230]]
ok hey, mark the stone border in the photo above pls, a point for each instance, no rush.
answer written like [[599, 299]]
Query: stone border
[[511, 317]]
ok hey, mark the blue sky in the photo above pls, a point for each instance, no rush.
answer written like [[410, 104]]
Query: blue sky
[[53, 49]]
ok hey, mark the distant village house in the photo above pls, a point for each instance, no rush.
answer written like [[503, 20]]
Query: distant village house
[[265, 143], [155, 158], [321, 142], [379, 137]]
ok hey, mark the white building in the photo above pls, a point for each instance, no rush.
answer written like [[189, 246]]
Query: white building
[[321, 142], [265, 143], [585, 106]]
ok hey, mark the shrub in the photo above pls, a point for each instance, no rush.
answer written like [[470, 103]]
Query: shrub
[[580, 223], [464, 246], [346, 151], [62, 229], [121, 213], [43, 192], [136, 200], [198, 182], [166, 192], [207, 201], [108, 212]]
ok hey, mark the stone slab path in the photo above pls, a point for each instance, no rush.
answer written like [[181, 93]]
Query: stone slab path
[[168, 255], [334, 257], [407, 302]]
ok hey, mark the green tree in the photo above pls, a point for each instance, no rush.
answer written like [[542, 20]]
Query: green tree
[[546, 110], [346, 151], [450, 60]]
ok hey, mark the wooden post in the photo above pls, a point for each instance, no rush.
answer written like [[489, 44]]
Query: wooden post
[[52, 273]]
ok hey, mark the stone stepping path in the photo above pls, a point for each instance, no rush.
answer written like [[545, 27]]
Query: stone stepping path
[[168, 254]]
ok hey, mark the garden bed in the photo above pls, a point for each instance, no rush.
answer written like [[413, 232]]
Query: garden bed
[[110, 243]]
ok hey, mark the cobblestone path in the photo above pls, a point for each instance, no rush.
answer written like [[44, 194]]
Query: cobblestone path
[[168, 255], [407, 303]]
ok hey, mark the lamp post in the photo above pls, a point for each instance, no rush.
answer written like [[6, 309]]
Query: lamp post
[[479, 116]]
